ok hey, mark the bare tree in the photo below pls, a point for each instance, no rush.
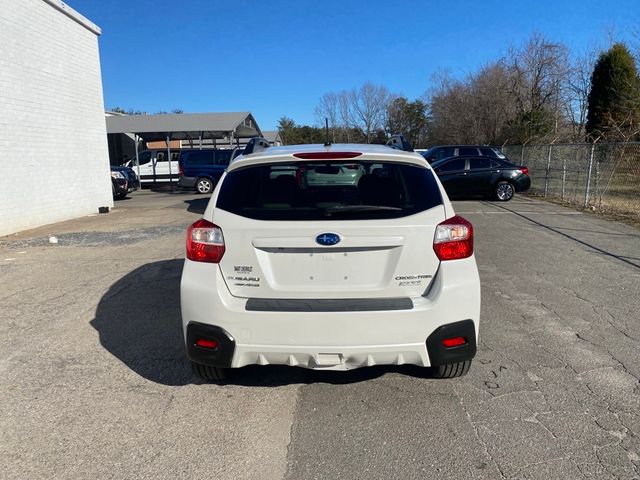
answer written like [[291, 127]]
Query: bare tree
[[345, 115], [492, 105], [575, 94], [328, 108], [473, 110], [538, 70], [446, 100], [368, 106]]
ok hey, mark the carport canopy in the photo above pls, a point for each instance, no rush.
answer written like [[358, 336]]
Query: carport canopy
[[186, 126]]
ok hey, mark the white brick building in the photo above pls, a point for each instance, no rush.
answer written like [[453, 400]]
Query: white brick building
[[54, 163]]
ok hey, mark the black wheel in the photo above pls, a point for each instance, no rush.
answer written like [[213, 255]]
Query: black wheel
[[452, 370], [209, 373], [204, 185], [504, 191]]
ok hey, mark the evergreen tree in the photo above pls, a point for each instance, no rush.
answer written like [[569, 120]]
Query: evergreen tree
[[614, 97], [294, 134]]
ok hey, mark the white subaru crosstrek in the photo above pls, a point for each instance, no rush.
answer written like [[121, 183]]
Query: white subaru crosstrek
[[340, 272]]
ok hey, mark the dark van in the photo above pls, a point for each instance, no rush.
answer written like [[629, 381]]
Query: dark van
[[201, 169]]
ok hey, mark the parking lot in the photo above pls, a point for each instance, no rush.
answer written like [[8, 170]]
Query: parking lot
[[94, 382]]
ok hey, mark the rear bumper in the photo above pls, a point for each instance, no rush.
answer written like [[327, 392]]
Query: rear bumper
[[228, 354], [339, 340], [187, 182], [522, 183]]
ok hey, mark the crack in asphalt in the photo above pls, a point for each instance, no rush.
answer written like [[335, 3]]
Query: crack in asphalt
[[477, 434]]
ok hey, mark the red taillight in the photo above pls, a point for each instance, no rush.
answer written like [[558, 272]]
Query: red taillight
[[206, 343], [205, 242], [524, 170], [453, 239], [326, 155], [454, 342]]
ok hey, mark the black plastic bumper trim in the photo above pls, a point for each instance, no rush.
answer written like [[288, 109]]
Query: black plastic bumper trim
[[187, 182], [441, 355], [219, 357], [328, 305]]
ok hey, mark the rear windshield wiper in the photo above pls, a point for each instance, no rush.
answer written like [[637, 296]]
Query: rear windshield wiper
[[360, 208]]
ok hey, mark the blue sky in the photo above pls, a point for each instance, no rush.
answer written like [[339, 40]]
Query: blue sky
[[277, 58]]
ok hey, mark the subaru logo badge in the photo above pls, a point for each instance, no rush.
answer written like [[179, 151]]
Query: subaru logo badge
[[328, 239]]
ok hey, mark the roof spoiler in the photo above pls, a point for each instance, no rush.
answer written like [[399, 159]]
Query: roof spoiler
[[400, 143], [255, 145]]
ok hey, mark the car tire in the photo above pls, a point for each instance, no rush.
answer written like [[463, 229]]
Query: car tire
[[209, 373], [204, 185], [452, 370], [504, 191]]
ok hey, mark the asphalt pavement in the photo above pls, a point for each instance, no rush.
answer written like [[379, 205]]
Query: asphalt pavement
[[93, 379]]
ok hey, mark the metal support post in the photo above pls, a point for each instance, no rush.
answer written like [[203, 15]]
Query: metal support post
[[138, 160], [546, 176], [586, 193], [564, 175], [169, 160]]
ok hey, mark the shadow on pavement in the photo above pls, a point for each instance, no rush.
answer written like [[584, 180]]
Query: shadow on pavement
[[197, 205], [557, 230], [138, 322]]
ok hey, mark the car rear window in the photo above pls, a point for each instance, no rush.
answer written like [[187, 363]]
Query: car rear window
[[438, 153], [329, 191], [498, 153], [223, 157], [462, 151], [487, 152]]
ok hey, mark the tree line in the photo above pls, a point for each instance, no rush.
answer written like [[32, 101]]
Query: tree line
[[535, 93]]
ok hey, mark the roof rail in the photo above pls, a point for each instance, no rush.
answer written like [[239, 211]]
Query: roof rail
[[255, 145], [400, 143], [236, 152]]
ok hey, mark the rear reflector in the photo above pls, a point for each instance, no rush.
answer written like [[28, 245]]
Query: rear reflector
[[206, 343], [454, 341], [205, 242], [453, 239], [326, 155]]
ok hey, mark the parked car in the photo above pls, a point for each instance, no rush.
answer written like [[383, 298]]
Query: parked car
[[123, 181], [447, 151], [330, 275], [155, 166], [482, 176], [201, 169]]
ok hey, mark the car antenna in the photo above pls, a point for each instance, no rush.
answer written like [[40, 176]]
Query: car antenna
[[327, 142]]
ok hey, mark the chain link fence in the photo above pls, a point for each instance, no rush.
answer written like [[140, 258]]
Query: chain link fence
[[602, 176]]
